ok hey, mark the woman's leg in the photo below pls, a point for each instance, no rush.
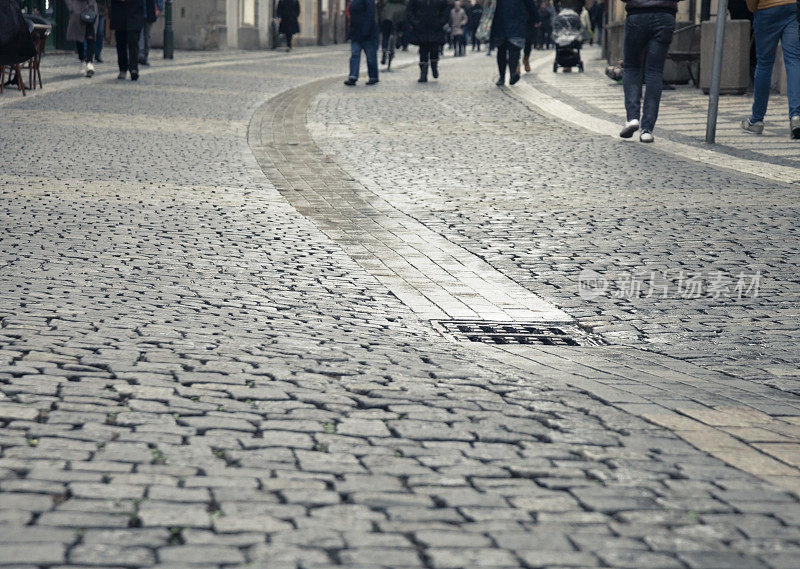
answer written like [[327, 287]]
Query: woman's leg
[[132, 39], [81, 52], [89, 37], [502, 61], [513, 62], [289, 41]]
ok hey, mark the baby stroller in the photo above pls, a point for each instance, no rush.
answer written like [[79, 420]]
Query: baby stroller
[[568, 37]]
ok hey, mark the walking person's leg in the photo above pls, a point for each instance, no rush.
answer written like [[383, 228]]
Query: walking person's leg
[[502, 61], [122, 53], [426, 51], [100, 38], [767, 33], [662, 27], [526, 56], [435, 63], [289, 42], [355, 62], [633, 57], [513, 62], [133, 54], [386, 32], [371, 53], [790, 43], [144, 44]]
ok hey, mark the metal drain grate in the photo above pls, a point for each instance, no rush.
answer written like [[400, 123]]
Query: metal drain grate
[[534, 333]]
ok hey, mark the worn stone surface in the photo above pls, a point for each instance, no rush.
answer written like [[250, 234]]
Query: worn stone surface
[[194, 374]]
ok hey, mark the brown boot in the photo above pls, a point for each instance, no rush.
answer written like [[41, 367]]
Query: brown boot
[[526, 62]]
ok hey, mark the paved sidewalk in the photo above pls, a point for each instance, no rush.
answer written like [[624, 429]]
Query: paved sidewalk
[[216, 352], [683, 112]]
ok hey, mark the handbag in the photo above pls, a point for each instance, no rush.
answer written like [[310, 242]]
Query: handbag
[[484, 31], [88, 16]]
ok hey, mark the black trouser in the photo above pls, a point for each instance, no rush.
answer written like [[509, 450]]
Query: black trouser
[[128, 50], [458, 44], [476, 43], [429, 51], [289, 40], [507, 54], [528, 45], [386, 31], [86, 53]]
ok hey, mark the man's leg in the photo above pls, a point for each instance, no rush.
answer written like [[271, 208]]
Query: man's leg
[[355, 59], [426, 52], [767, 34], [133, 53], [122, 50], [662, 28], [386, 31], [633, 56], [371, 53], [790, 43]]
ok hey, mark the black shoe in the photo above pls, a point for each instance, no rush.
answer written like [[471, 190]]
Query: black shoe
[[98, 60], [435, 69], [373, 81], [145, 63], [350, 82], [423, 73], [134, 75], [501, 82], [514, 79]]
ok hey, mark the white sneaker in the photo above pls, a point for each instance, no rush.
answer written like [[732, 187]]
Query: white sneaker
[[83, 68], [646, 137], [89, 69], [629, 128]]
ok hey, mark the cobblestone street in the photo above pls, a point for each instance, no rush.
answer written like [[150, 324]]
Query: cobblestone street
[[221, 340]]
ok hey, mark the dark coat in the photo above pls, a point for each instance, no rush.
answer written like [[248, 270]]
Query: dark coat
[[427, 19], [288, 11], [363, 24], [16, 45], [127, 15], [475, 15], [151, 16], [511, 18], [76, 30]]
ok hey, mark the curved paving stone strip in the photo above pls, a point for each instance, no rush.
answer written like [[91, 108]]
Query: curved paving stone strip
[[671, 393], [542, 201], [434, 277], [193, 375]]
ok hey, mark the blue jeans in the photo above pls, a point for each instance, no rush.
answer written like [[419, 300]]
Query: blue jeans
[[769, 26], [647, 39], [370, 48]]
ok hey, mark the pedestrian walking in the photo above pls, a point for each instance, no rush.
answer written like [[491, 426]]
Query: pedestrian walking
[[82, 29], [152, 9], [392, 18], [649, 25], [427, 19], [288, 12], [458, 23], [363, 37], [773, 21], [475, 15], [531, 33], [127, 21], [16, 44], [509, 29]]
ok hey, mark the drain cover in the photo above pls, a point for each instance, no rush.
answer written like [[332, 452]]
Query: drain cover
[[538, 333]]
